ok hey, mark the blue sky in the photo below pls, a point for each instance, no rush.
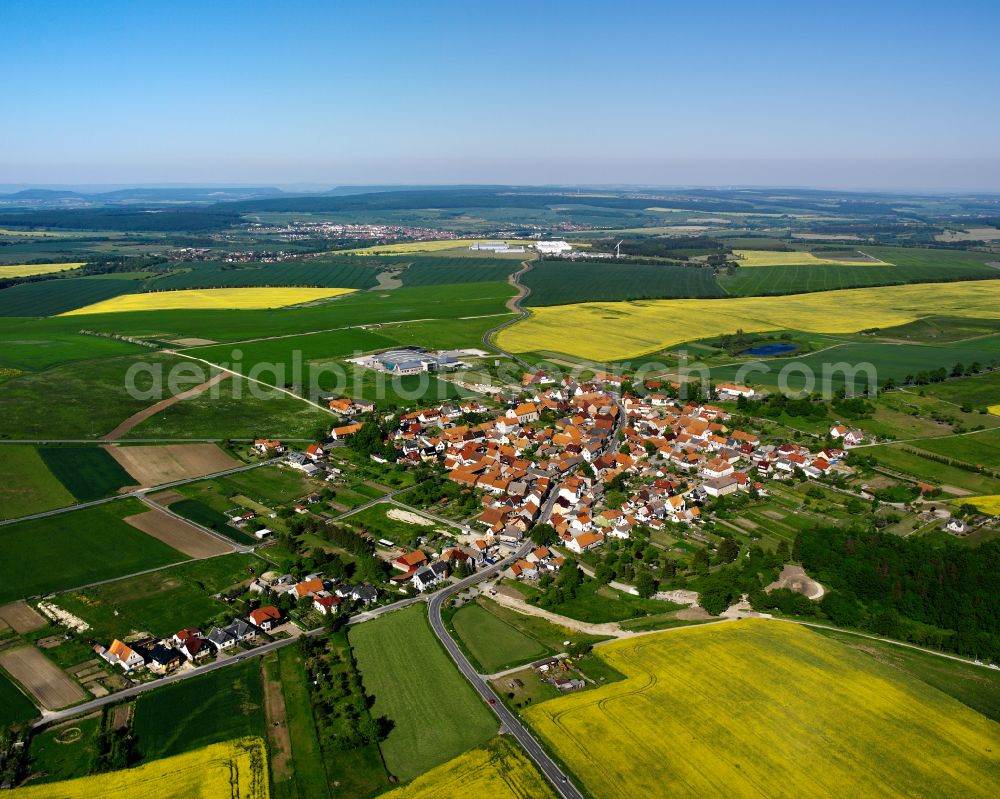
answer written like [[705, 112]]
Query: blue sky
[[874, 94]]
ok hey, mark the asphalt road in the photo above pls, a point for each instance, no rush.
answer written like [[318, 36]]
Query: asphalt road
[[513, 725]]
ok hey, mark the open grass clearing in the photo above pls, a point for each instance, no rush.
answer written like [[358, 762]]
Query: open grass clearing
[[66, 751]]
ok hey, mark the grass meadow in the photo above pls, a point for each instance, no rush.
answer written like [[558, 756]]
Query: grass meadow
[[55, 757], [727, 688], [76, 548], [437, 715], [494, 644]]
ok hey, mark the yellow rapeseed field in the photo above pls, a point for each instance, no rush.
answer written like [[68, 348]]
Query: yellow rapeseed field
[[778, 258], [413, 247], [603, 331], [987, 504], [220, 771], [207, 299], [765, 708], [994, 409], [498, 770], [30, 270]]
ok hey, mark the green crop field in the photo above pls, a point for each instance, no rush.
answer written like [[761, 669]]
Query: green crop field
[[162, 602], [887, 360], [87, 472], [353, 273], [218, 706], [436, 713], [909, 265], [15, 707], [981, 391], [26, 484], [444, 334], [562, 282], [202, 514], [495, 645], [30, 346], [978, 449], [77, 400], [50, 297], [444, 270], [76, 548]]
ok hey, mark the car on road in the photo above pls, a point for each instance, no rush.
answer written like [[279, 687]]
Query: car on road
[[492, 701]]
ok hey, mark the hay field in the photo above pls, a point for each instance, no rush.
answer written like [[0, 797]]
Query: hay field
[[751, 258], [47, 683], [232, 769], [603, 331], [209, 299], [763, 708], [30, 270], [499, 770]]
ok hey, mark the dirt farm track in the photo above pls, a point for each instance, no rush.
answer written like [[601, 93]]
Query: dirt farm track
[[51, 687], [152, 465], [178, 534]]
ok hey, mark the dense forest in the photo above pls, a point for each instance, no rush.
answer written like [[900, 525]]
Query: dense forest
[[909, 589]]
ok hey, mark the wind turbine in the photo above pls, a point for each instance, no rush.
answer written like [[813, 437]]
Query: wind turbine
[[618, 248]]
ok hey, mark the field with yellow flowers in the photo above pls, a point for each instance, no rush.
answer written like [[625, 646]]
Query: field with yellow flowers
[[30, 270], [987, 504], [209, 299], [604, 331], [764, 708], [796, 258], [499, 770], [220, 771]]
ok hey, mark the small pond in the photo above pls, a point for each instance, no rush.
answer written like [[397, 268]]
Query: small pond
[[771, 349]]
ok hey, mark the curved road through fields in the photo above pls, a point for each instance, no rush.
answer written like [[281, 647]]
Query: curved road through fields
[[544, 763], [514, 303]]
